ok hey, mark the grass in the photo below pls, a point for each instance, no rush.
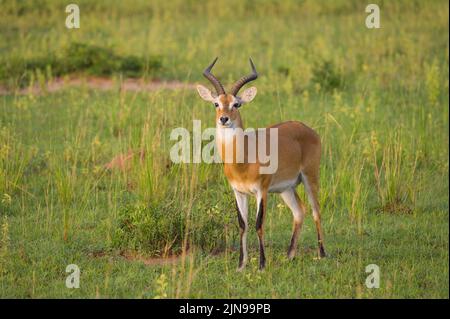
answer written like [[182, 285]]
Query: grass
[[77, 58], [378, 98]]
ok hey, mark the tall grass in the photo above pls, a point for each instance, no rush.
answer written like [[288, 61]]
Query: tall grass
[[378, 99]]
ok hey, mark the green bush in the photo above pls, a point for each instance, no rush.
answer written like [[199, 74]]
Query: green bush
[[154, 229], [159, 229], [214, 224], [77, 58], [326, 75], [93, 59]]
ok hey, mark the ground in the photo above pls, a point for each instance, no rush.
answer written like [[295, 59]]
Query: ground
[[377, 97]]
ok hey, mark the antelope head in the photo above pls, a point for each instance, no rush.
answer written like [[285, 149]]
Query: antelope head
[[227, 104]]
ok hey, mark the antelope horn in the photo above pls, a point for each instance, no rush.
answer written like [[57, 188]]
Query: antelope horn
[[244, 80], [214, 81]]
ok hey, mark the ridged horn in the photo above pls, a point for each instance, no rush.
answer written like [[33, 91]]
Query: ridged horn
[[244, 80], [214, 81]]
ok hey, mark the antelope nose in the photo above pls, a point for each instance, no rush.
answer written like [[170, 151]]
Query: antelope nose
[[223, 119]]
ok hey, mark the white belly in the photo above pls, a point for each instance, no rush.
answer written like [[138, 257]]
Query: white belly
[[277, 187], [281, 186]]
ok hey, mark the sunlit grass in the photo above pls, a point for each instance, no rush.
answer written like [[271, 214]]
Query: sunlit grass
[[378, 98]]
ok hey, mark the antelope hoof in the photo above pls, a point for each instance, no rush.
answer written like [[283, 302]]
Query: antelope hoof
[[241, 267], [262, 266], [322, 253], [291, 254]]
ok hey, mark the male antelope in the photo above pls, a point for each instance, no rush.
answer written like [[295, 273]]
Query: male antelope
[[299, 151]]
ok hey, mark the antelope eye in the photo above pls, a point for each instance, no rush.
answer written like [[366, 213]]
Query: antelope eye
[[236, 105], [216, 104]]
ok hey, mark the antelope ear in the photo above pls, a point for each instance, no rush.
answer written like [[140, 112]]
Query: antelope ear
[[204, 93], [248, 95]]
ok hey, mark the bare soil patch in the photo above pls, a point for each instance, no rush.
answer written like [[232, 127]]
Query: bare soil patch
[[134, 256], [98, 83], [152, 261]]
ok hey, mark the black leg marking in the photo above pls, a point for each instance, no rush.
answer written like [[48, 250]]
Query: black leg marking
[[262, 255], [242, 229], [259, 230], [240, 219], [259, 219], [241, 253], [293, 245], [321, 248]]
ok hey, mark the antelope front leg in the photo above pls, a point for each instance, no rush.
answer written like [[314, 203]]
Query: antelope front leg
[[262, 204], [242, 212]]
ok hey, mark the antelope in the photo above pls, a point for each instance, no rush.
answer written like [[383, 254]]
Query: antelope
[[299, 152]]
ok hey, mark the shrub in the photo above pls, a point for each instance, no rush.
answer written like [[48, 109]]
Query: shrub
[[77, 58], [93, 59], [326, 75], [160, 229], [154, 229]]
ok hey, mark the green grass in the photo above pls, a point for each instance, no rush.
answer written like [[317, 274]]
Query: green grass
[[79, 58], [378, 98]]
